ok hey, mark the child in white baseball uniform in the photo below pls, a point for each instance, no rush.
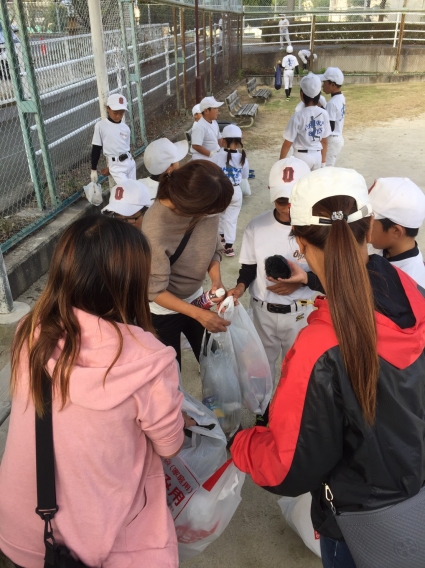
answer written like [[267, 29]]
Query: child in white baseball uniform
[[129, 202], [113, 135], [305, 56], [308, 129], [162, 156], [235, 165], [206, 136], [283, 30], [332, 79], [278, 316], [289, 65], [398, 207]]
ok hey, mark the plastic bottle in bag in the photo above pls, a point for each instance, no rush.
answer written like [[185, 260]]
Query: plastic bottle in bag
[[205, 302]]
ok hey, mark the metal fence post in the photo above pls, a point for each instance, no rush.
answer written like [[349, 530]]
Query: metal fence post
[[183, 35], [167, 63], [312, 34], [396, 29], [34, 105], [10, 311], [400, 42], [204, 29], [127, 71], [23, 110], [99, 56], [136, 77], [176, 59], [211, 53]]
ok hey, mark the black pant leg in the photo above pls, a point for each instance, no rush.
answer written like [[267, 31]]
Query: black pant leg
[[194, 332], [169, 329]]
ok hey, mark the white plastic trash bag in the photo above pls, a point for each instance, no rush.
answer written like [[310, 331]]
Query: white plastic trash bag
[[296, 511], [93, 193], [206, 509], [220, 386], [253, 368]]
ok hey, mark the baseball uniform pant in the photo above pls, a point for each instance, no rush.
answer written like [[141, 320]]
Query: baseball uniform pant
[[313, 159], [278, 331], [288, 77], [335, 144], [122, 171], [245, 187], [284, 34], [229, 218]]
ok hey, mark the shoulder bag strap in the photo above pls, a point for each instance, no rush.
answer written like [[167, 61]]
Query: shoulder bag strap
[[45, 467], [174, 257]]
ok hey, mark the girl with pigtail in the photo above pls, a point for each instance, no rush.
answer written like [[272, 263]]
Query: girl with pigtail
[[235, 166]]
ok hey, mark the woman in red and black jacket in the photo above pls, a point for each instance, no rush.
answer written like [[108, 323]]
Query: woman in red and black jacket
[[349, 409]]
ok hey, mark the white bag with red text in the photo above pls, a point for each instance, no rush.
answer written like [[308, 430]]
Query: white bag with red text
[[296, 511], [204, 512], [253, 369]]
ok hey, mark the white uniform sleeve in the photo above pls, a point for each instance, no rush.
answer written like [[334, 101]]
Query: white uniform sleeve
[[247, 254], [219, 136], [292, 128], [97, 138], [284, 61], [326, 126], [245, 170], [197, 135], [332, 110]]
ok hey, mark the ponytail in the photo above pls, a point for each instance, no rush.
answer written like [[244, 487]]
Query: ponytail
[[350, 296], [238, 142]]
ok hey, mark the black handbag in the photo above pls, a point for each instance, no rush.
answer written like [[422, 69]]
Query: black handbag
[[56, 555]]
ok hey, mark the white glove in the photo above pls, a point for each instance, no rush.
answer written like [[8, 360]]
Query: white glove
[[93, 176], [323, 165], [212, 153]]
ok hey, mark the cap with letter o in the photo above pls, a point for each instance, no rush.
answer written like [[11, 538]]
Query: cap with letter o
[[209, 102], [334, 75], [398, 199], [128, 198], [323, 183], [161, 153], [117, 102], [311, 85], [283, 176]]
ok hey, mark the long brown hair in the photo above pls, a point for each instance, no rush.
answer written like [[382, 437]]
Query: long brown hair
[[350, 295], [101, 266], [197, 189]]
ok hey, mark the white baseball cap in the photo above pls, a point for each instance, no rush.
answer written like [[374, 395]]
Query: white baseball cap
[[311, 85], [333, 74], [117, 102], [323, 183], [289, 49], [128, 198], [161, 153], [209, 102], [231, 131], [399, 200], [196, 110], [284, 175]]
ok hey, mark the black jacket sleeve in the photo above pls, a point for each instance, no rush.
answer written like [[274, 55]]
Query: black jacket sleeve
[[95, 156], [314, 283], [247, 273]]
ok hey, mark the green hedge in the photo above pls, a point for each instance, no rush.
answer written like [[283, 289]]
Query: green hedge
[[363, 31]]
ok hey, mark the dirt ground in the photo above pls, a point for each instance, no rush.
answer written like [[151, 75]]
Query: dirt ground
[[384, 136], [258, 536]]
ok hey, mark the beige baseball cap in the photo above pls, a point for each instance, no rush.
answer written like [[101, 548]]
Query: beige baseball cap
[[209, 102], [161, 153], [128, 198], [231, 131], [284, 175], [117, 102], [398, 199], [323, 183]]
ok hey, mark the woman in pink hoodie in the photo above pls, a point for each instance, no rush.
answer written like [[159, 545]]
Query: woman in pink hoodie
[[116, 408]]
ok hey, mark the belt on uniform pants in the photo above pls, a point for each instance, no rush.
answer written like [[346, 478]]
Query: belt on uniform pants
[[282, 308], [305, 151], [121, 157]]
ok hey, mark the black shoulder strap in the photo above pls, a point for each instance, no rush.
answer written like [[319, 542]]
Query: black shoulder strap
[[174, 257]]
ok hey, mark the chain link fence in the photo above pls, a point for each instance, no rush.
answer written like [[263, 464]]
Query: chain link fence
[[48, 91]]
